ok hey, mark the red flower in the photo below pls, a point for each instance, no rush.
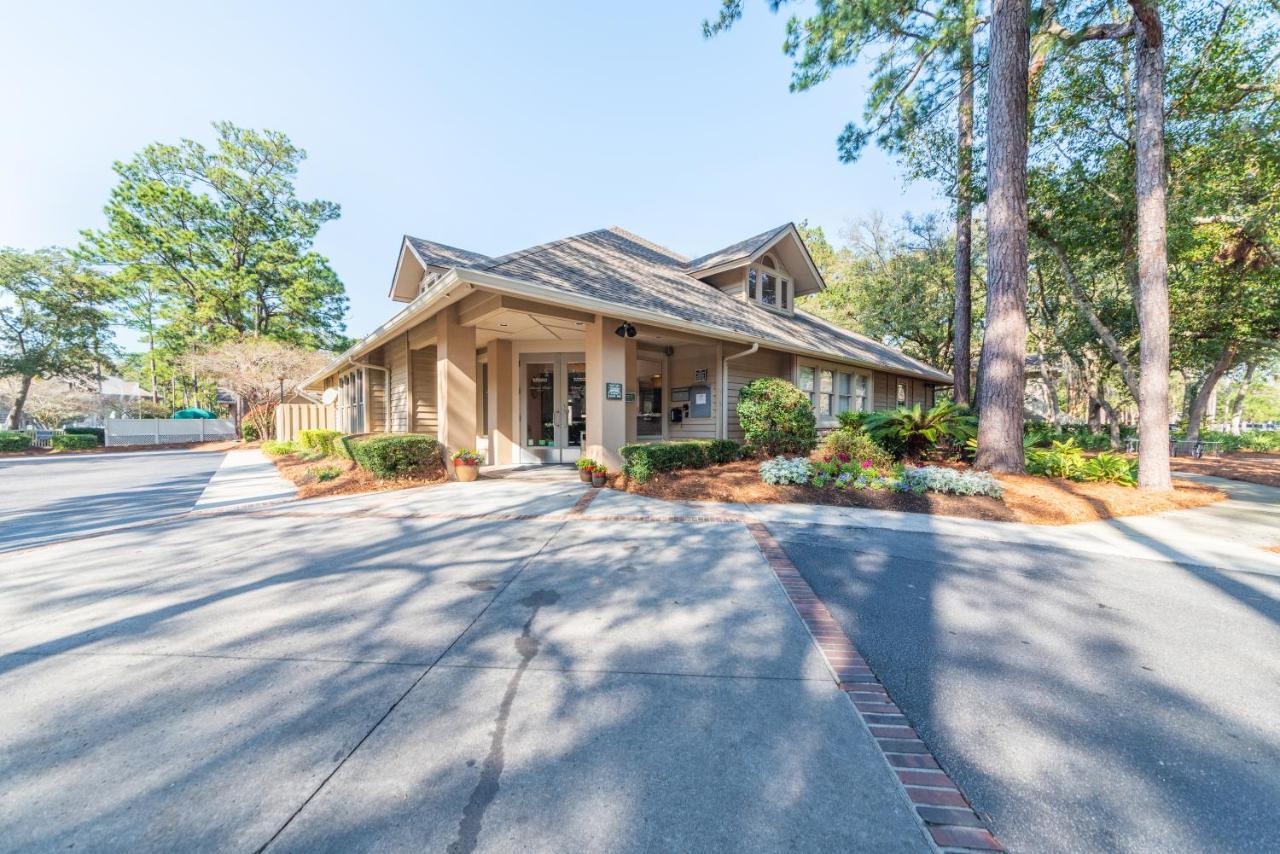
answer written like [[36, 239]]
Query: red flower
[[866, 464], [844, 458]]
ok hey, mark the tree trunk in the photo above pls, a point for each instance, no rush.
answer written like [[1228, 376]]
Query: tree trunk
[[1113, 421], [1004, 343], [962, 324], [14, 419], [1195, 414], [1237, 405], [1153, 283]]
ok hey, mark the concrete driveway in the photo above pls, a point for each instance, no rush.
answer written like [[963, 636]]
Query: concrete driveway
[[467, 668], [47, 498], [1084, 698]]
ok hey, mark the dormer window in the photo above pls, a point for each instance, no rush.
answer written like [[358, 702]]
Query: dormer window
[[769, 285]]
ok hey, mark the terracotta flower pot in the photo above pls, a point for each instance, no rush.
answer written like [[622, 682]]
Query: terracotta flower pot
[[597, 480], [466, 473], [584, 475]]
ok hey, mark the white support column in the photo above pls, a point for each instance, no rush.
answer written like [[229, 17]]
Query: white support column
[[606, 419]]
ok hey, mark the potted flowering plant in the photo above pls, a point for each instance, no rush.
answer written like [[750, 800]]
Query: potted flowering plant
[[466, 464], [585, 467], [598, 474]]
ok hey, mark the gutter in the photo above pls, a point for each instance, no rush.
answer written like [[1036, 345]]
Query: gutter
[[724, 386]]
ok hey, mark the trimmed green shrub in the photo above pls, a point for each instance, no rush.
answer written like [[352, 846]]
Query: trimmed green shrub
[[855, 445], [10, 441], [99, 433], [1060, 459], [249, 431], [776, 417], [388, 455], [72, 442], [277, 448], [321, 441], [852, 419], [642, 462]]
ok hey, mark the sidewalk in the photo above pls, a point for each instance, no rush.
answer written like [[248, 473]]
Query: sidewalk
[[244, 478], [1229, 535]]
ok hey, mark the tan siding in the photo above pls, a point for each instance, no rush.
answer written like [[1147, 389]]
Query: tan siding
[[424, 391], [884, 391], [765, 363], [376, 416], [397, 357], [682, 364]]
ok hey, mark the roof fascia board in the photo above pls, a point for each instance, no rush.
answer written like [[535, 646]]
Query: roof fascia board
[[405, 245]]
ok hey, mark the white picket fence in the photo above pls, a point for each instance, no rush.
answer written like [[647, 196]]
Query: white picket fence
[[166, 431]]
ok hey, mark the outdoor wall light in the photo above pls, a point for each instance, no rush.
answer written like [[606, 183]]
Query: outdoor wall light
[[626, 330]]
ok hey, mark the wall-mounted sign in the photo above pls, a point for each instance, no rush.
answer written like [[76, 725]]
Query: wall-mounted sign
[[679, 394], [613, 391], [631, 397], [700, 375]]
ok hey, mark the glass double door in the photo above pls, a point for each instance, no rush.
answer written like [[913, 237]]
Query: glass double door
[[553, 406]]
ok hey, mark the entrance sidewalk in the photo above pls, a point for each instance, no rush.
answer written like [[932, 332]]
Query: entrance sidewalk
[[245, 478]]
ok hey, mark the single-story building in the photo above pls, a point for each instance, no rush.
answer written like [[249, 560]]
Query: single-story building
[[580, 346]]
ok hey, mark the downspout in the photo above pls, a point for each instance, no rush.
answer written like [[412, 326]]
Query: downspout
[[724, 386], [386, 406]]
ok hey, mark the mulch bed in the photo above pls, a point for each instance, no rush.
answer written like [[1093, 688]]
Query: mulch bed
[[1037, 500], [1263, 469], [352, 481]]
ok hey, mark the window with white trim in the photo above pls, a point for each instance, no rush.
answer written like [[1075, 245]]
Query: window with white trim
[[902, 393], [826, 391], [861, 392], [769, 285], [844, 387], [350, 403], [808, 382]]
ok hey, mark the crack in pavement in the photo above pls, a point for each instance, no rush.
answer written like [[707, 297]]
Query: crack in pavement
[[487, 786]]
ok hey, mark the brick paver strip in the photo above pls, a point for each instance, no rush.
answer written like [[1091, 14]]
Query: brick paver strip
[[938, 802]]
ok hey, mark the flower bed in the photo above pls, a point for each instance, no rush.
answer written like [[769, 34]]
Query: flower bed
[[845, 474]]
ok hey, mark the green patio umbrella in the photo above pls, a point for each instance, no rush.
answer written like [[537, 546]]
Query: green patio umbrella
[[194, 413]]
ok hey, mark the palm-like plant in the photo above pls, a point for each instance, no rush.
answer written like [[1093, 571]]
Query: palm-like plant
[[911, 431]]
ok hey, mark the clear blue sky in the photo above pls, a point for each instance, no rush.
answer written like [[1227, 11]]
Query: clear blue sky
[[491, 126]]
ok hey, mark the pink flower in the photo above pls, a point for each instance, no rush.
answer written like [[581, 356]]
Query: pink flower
[[844, 458], [866, 464]]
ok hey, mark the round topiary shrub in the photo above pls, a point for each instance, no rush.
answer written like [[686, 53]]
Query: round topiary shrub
[[776, 417]]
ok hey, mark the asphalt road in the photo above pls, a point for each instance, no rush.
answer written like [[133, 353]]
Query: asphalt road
[[1084, 703], [368, 674], [48, 498]]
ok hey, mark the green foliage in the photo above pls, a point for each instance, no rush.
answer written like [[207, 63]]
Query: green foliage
[[73, 441], [13, 441], [1060, 459], [776, 417], [1250, 440], [323, 442], [910, 432], [394, 455], [1109, 468], [641, 462], [278, 448], [249, 430], [894, 284], [99, 433], [53, 320], [852, 419], [585, 463], [855, 446], [324, 473]]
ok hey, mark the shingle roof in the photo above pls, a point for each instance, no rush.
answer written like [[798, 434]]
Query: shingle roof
[[442, 255], [616, 266], [737, 251]]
